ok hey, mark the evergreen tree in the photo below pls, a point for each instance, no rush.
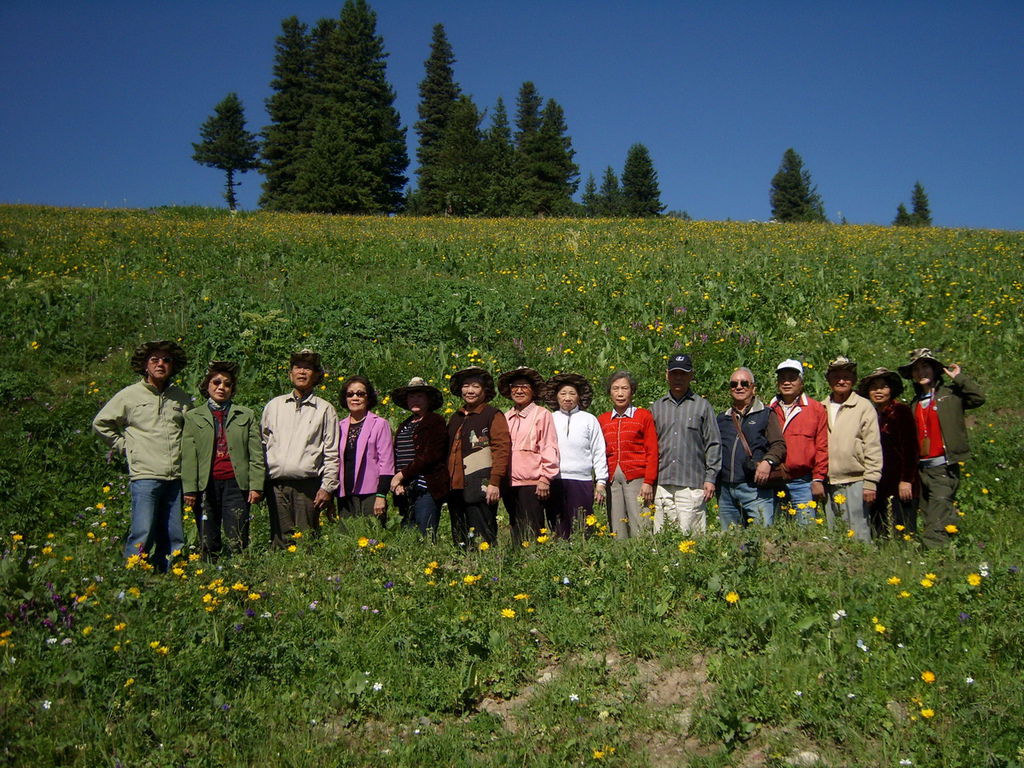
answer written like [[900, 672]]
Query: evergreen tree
[[461, 172], [609, 202], [438, 95], [921, 215], [226, 144], [287, 136], [640, 193], [902, 217], [357, 157], [502, 188], [547, 173], [793, 196], [590, 198], [528, 117]]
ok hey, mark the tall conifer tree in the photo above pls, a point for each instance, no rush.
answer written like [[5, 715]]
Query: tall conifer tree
[[357, 158], [226, 144], [610, 195], [502, 189], [287, 137], [920, 212], [548, 175], [438, 94], [793, 196], [902, 217], [589, 198], [640, 193], [461, 172]]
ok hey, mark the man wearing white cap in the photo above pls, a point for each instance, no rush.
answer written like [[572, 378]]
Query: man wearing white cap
[[805, 430]]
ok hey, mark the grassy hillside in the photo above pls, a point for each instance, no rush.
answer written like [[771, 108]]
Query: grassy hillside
[[369, 647]]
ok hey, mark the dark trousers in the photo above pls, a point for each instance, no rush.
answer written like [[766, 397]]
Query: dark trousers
[[222, 504], [570, 503], [419, 510], [525, 512], [291, 509], [358, 505], [903, 513], [472, 522], [938, 491]]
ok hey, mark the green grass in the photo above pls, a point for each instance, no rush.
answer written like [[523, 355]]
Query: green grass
[[622, 653]]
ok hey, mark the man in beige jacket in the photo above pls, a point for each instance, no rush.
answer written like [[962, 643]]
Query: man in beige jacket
[[854, 450]]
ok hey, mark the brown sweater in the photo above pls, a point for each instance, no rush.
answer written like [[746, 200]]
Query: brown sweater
[[492, 432]]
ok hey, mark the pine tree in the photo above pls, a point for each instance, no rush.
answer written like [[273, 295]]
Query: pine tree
[[357, 156], [921, 215], [902, 217], [640, 193], [287, 136], [502, 188], [590, 198], [438, 95], [793, 196], [226, 144], [528, 118], [461, 172], [548, 175], [610, 197]]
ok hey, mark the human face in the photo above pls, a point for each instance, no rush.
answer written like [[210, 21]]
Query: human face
[[417, 402], [521, 391], [742, 389], [679, 382], [841, 382], [621, 394], [356, 398], [221, 388], [472, 393], [790, 385], [879, 392], [568, 397], [303, 379], [923, 374], [159, 367]]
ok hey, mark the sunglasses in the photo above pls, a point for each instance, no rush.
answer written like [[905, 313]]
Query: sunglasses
[[355, 394], [739, 384]]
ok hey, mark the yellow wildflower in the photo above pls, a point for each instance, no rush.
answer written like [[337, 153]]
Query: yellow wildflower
[[508, 613], [973, 579], [928, 676], [687, 546], [732, 597]]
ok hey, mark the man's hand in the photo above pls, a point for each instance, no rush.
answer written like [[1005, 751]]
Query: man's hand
[[322, 499], [817, 489], [709, 491], [869, 496], [761, 473]]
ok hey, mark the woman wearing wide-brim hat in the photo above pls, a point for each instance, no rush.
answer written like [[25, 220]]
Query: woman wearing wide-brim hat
[[938, 410], [534, 463], [421, 452], [582, 461], [894, 510], [478, 452]]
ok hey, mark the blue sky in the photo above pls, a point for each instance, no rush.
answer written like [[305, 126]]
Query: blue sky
[[101, 100]]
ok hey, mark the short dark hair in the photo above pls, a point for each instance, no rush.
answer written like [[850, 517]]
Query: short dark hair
[[371, 393], [621, 375]]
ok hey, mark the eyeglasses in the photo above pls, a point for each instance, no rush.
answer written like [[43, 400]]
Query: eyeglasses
[[739, 384], [355, 394]]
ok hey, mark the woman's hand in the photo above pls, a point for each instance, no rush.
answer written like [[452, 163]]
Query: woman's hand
[[380, 506]]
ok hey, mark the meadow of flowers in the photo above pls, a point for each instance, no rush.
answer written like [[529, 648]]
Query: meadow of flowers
[[368, 646]]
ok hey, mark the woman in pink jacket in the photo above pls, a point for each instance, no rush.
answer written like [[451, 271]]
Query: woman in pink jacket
[[366, 454]]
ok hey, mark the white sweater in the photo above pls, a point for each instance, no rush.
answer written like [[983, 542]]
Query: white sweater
[[581, 446]]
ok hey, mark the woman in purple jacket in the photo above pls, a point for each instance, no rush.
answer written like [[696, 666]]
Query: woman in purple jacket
[[366, 453]]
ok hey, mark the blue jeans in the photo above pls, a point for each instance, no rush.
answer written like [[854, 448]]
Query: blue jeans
[[798, 491], [156, 521], [739, 501], [419, 509]]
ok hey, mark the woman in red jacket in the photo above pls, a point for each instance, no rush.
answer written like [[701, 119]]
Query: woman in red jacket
[[632, 444]]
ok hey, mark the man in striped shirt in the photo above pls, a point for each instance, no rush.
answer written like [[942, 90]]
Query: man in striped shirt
[[689, 451]]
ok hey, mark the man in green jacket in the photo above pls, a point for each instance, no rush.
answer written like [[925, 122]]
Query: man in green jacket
[[143, 422], [221, 462], [942, 438]]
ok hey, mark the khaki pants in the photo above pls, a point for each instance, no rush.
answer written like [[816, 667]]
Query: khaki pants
[[291, 509], [681, 507]]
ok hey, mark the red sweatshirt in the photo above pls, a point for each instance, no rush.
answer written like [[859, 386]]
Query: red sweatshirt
[[632, 442], [806, 437]]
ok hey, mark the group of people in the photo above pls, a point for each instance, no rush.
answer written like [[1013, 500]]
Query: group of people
[[861, 454]]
